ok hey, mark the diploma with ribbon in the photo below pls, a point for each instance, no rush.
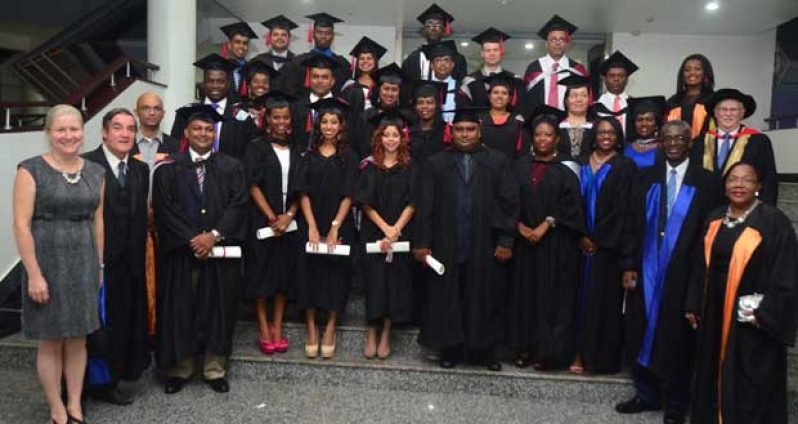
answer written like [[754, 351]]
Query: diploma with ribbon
[[267, 232], [435, 265], [225, 252], [396, 247], [338, 250], [746, 306]]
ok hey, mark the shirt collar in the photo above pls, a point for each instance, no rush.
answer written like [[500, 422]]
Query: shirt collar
[[732, 133], [680, 168], [113, 161], [194, 155], [158, 138], [283, 54], [222, 104], [314, 98], [484, 71], [548, 61]]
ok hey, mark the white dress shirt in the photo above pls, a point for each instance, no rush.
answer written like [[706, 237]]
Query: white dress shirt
[[681, 169], [546, 63], [113, 161]]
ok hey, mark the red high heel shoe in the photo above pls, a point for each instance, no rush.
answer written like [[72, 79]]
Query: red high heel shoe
[[280, 346], [266, 347]]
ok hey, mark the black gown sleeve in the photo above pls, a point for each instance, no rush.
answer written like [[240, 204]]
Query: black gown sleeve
[[366, 186], [568, 211], [231, 223], [425, 195], [507, 206], [174, 227]]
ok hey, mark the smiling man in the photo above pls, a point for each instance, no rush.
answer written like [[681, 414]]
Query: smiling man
[[279, 41], [437, 25], [237, 129], [728, 141], [124, 343], [238, 35]]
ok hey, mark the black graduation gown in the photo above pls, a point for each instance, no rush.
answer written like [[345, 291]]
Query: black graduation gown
[[461, 305], [352, 92], [692, 112], [323, 280], [301, 126], [125, 228], [411, 66], [672, 343], [295, 72], [389, 285], [543, 293], [510, 138], [536, 93], [363, 131], [475, 91], [238, 129], [753, 376], [424, 144], [269, 265], [276, 62], [197, 316], [600, 319], [168, 145], [564, 146], [599, 110], [757, 150]]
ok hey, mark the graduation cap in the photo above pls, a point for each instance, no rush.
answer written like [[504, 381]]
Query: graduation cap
[[618, 60], [279, 21], [574, 81], [239, 28], [654, 104], [427, 88], [556, 23], [392, 74], [367, 45], [214, 62], [436, 12], [259, 66], [467, 114], [731, 93], [317, 60], [274, 99], [491, 35], [444, 48], [330, 104], [503, 80], [542, 109], [321, 20], [202, 112], [392, 116]]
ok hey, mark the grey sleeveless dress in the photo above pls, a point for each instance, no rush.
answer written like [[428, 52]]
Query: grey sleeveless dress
[[63, 233]]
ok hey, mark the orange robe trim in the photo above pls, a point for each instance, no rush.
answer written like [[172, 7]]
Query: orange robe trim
[[743, 249], [699, 115]]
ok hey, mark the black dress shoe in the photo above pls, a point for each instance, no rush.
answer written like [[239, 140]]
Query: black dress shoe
[[219, 385], [635, 405], [111, 395], [673, 417], [174, 385], [445, 363], [493, 366]]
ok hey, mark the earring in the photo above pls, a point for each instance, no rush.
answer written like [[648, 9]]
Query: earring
[[756, 194]]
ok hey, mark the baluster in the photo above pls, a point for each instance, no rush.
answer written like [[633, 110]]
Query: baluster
[[8, 119]]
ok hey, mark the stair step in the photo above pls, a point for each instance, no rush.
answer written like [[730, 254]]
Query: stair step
[[790, 208], [788, 191]]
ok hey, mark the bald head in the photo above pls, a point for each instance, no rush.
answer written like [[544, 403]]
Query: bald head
[[149, 110]]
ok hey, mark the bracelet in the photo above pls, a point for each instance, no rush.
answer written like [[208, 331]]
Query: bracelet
[[289, 213], [102, 265]]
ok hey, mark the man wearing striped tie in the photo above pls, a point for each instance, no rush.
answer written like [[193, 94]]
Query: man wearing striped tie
[[663, 271], [200, 201]]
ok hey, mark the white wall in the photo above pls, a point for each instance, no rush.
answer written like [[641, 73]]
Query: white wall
[[785, 146], [742, 62], [20, 146], [126, 99]]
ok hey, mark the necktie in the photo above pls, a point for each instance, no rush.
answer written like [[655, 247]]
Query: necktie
[[200, 174], [468, 163], [616, 104], [217, 129], [120, 175], [671, 191], [723, 151], [554, 90]]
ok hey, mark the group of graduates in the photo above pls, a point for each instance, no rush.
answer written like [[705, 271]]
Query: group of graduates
[[491, 210]]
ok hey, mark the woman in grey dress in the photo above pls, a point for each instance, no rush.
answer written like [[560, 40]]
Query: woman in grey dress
[[58, 226]]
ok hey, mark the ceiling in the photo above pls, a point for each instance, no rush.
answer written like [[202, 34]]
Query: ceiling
[[523, 17]]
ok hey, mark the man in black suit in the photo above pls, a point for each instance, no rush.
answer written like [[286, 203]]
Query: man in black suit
[[279, 40], [237, 128], [124, 346]]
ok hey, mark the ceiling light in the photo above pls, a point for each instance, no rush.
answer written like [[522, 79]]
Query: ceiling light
[[529, 46], [464, 44], [712, 6]]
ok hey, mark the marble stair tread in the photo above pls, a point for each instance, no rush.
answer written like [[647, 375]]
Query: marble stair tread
[[788, 191]]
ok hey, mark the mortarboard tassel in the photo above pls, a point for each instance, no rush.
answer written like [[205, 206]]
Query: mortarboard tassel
[[262, 120], [447, 134], [243, 90], [310, 33], [184, 144], [518, 143], [307, 77], [501, 46], [514, 100], [352, 62], [447, 28], [568, 37], [269, 39], [406, 133], [225, 53], [309, 123]]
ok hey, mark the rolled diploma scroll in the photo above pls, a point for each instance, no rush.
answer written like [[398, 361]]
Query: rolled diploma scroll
[[267, 232], [222, 252], [435, 265], [340, 249], [396, 247]]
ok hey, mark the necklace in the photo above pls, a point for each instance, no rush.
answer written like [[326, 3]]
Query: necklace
[[70, 177], [730, 222], [600, 162]]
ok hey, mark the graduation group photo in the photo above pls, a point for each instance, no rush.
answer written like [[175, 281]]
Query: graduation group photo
[[581, 219]]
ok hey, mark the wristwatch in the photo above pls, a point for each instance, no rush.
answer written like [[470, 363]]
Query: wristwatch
[[335, 223], [290, 214], [552, 222], [216, 235]]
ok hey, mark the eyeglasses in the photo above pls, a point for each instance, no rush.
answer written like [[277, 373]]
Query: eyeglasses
[[746, 181], [728, 109], [605, 132], [433, 26], [674, 139], [149, 109]]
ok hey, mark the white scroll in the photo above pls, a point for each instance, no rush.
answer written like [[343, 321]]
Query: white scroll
[[267, 232], [396, 247], [339, 250]]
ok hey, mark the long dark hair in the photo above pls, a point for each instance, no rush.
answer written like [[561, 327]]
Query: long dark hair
[[707, 85], [616, 126], [341, 144]]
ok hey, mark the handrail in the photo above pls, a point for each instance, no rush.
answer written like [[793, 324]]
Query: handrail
[[109, 71], [781, 117]]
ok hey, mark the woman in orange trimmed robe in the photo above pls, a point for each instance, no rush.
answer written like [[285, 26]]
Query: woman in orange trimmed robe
[[749, 248]]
